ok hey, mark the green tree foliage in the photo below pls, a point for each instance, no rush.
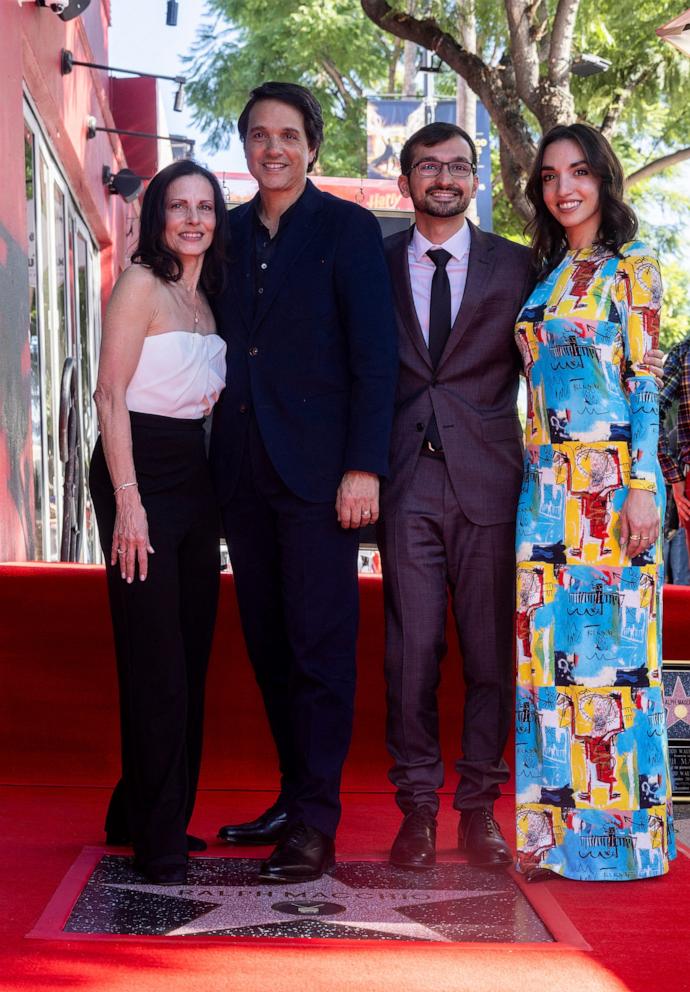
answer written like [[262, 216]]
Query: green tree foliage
[[520, 68], [327, 45]]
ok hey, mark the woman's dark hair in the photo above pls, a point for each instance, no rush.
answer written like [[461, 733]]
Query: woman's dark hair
[[429, 136], [152, 249], [618, 220], [295, 96]]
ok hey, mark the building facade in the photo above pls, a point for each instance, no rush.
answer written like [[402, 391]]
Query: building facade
[[64, 238]]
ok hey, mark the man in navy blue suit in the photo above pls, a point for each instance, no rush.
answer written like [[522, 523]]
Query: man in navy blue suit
[[299, 442]]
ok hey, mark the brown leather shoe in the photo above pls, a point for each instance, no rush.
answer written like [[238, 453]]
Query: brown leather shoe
[[480, 838], [415, 845]]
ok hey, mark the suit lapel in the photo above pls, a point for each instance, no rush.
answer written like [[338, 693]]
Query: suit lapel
[[480, 267], [402, 287], [302, 227]]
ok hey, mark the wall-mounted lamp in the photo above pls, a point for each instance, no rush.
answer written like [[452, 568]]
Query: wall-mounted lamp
[[92, 129], [125, 183], [67, 63], [589, 65], [171, 14], [178, 103], [65, 9]]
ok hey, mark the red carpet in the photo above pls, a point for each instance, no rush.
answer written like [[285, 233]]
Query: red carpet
[[58, 726]]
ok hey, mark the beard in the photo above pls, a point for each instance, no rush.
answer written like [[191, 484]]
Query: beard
[[426, 204]]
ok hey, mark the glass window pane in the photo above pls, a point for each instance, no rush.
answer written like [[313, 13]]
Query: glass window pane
[[49, 386], [64, 307], [63, 341], [34, 345], [86, 366]]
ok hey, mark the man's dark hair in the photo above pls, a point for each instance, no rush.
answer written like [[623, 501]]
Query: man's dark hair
[[429, 136], [618, 220], [152, 249], [295, 96]]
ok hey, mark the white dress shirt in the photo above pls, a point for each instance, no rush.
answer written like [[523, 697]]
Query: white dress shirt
[[422, 272]]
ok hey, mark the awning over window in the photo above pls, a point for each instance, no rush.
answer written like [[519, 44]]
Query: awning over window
[[677, 32]]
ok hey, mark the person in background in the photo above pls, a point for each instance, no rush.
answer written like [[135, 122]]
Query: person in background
[[162, 367], [674, 453], [592, 771]]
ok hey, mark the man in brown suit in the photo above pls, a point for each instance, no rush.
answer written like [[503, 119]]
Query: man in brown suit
[[449, 504]]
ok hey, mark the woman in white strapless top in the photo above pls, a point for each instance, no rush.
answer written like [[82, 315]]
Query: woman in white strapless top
[[162, 368]]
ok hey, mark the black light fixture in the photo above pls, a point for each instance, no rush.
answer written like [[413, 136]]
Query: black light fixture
[[68, 61], [92, 128], [589, 65], [65, 9], [124, 183], [435, 64], [171, 14], [178, 103]]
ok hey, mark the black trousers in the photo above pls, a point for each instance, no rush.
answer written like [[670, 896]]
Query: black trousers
[[431, 550], [295, 574], [163, 629]]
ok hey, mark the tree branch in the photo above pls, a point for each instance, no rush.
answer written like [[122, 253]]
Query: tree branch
[[514, 180], [657, 166], [338, 80], [498, 96], [523, 50], [621, 96], [560, 49], [393, 63]]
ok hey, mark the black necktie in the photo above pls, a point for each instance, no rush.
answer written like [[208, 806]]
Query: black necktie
[[439, 325], [439, 312]]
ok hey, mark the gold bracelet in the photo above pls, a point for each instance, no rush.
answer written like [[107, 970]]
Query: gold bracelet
[[125, 485]]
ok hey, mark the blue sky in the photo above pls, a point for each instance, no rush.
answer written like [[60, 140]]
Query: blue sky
[[140, 39]]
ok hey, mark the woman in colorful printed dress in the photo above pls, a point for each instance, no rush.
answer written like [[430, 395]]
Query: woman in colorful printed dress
[[593, 789]]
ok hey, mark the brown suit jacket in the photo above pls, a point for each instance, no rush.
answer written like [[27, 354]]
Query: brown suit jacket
[[473, 390]]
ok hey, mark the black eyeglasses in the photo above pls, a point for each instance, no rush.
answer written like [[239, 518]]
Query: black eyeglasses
[[429, 168]]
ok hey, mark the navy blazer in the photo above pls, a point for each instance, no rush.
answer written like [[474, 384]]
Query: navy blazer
[[316, 359]]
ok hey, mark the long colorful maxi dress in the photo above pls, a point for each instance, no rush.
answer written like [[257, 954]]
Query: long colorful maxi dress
[[593, 789]]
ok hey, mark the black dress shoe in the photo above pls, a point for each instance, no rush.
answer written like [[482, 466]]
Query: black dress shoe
[[302, 855], [170, 874], [415, 845], [114, 839], [265, 829], [541, 875], [480, 837]]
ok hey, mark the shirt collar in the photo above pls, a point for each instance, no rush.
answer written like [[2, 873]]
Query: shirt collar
[[458, 245], [284, 217]]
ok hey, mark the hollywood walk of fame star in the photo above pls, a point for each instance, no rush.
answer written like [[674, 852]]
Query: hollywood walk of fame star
[[331, 901], [678, 705]]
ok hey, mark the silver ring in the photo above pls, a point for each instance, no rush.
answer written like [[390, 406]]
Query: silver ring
[[121, 551], [635, 537], [366, 513]]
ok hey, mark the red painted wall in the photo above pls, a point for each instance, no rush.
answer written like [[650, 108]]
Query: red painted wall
[[31, 42]]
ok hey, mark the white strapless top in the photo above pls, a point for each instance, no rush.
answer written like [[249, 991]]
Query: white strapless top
[[180, 374]]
